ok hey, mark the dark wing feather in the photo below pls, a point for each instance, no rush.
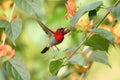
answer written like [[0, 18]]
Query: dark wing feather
[[68, 30], [45, 28]]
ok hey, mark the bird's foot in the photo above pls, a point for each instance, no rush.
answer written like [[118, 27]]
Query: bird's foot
[[57, 48]]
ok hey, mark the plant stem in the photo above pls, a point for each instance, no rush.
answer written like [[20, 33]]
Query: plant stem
[[81, 77], [10, 17], [11, 13], [116, 3], [3, 37], [81, 43]]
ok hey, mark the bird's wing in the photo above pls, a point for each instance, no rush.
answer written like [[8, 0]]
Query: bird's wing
[[45, 28], [68, 30]]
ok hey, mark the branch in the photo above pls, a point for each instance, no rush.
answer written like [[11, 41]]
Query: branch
[[116, 3], [82, 76], [81, 43]]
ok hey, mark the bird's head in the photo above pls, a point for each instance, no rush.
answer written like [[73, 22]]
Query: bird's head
[[60, 31], [59, 34]]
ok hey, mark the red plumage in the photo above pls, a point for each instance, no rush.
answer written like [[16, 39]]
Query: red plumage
[[54, 37]]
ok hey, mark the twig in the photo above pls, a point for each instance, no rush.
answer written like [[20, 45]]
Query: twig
[[116, 3], [79, 46], [82, 76]]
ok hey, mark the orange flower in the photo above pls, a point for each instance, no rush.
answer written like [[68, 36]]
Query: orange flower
[[80, 69], [3, 16], [84, 23], [104, 26], [110, 17], [116, 32], [71, 8], [6, 4], [6, 50], [114, 29], [14, 17], [2, 50]]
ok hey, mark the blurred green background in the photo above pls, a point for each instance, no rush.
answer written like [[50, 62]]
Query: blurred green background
[[33, 39]]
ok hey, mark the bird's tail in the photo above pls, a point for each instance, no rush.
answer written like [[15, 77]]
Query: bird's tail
[[44, 50]]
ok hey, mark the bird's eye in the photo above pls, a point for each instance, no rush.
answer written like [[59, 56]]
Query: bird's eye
[[61, 28]]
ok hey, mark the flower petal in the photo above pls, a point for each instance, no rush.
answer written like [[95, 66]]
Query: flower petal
[[71, 8]]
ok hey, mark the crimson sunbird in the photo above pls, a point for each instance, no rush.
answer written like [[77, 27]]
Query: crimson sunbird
[[55, 37]]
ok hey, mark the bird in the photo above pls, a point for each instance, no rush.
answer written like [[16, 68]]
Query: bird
[[55, 37]]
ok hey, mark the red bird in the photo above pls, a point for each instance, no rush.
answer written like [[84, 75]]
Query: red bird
[[54, 37]]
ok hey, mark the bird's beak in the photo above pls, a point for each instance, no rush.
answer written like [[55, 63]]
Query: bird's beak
[[64, 28]]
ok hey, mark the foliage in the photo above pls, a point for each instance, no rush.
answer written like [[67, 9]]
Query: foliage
[[116, 12], [83, 10], [17, 69], [105, 34], [12, 29], [55, 65], [97, 42], [99, 56], [79, 57]]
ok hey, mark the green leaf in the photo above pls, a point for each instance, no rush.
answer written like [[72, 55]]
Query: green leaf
[[99, 56], [14, 30], [16, 68], [97, 42], [92, 14], [83, 10], [4, 24], [55, 66], [105, 34], [77, 59], [116, 11], [30, 6]]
